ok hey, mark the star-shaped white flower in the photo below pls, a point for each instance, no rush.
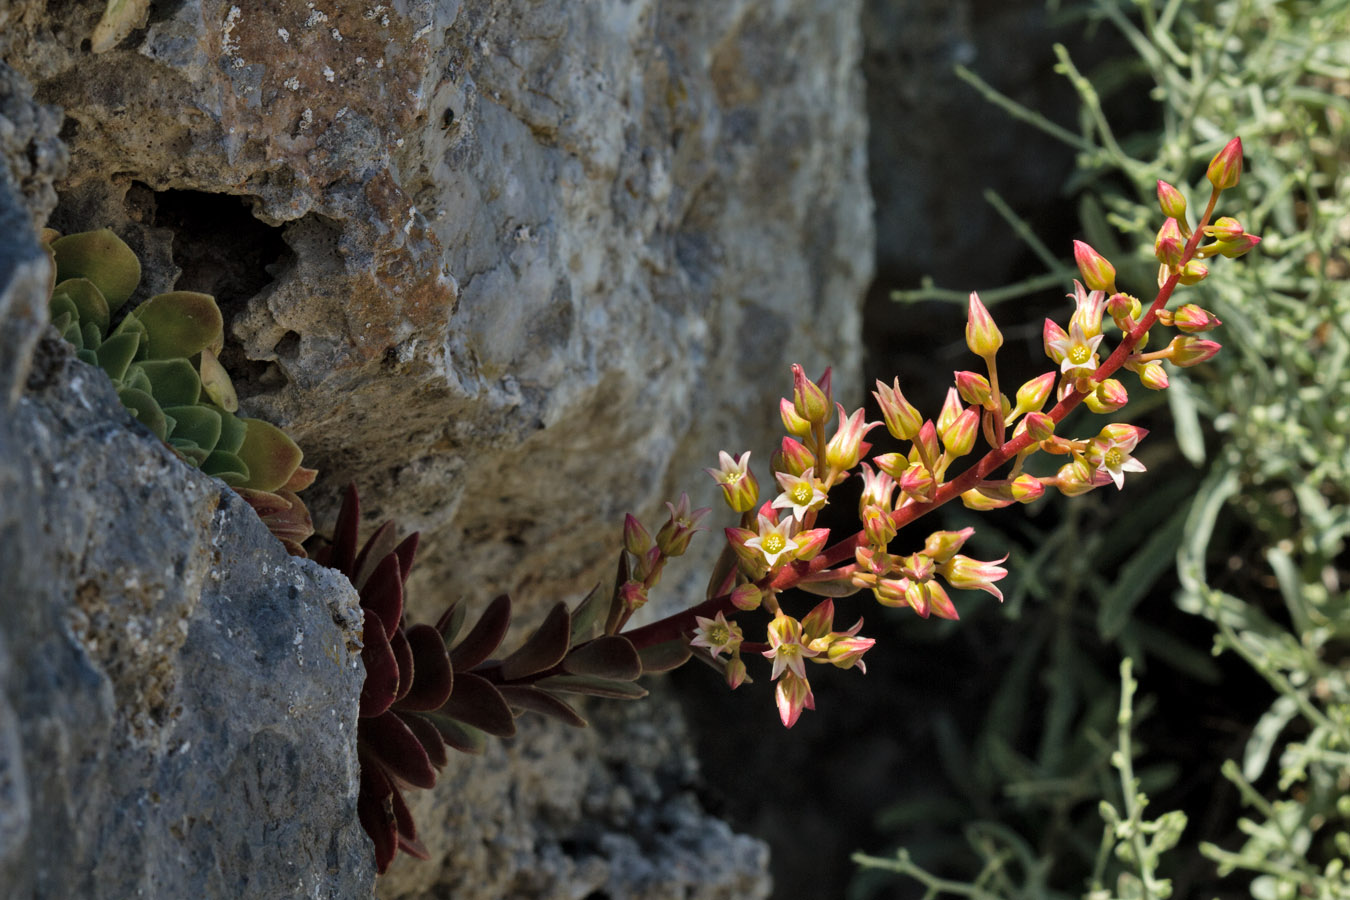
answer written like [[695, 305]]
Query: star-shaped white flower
[[774, 540], [1077, 349], [801, 493]]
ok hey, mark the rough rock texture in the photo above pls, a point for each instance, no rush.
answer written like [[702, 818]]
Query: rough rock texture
[[516, 269], [177, 695]]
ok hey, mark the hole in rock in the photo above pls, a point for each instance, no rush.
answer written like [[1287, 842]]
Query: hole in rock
[[289, 345]]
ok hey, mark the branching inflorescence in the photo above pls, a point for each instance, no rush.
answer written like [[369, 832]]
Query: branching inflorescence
[[428, 688]]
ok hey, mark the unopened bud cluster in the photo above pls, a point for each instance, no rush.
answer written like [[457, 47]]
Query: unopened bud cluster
[[776, 545]]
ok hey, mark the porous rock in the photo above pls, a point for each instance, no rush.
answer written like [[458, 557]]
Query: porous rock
[[177, 695]]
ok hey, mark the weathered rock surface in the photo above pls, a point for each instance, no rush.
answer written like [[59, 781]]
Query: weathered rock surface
[[515, 270], [177, 695]]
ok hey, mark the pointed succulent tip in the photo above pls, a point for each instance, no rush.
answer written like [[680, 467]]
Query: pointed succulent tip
[[1226, 167]]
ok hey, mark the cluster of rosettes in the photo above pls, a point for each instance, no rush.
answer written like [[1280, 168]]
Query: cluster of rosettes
[[777, 546]]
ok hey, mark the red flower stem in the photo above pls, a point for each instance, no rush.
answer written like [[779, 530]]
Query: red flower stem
[[681, 623]]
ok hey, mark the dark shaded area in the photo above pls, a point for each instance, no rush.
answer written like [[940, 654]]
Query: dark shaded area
[[881, 763]]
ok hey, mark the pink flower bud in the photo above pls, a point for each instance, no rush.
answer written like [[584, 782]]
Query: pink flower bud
[[1032, 395], [735, 672], [810, 401], [1171, 202], [746, 597], [636, 540], [893, 464], [1074, 479], [1191, 319], [974, 388], [877, 526], [1040, 426], [941, 546], [902, 419], [793, 458], [846, 447], [951, 408], [1098, 274], [632, 595], [1226, 167], [1225, 228], [1109, 396], [987, 497], [1193, 273], [968, 574], [1189, 351], [810, 542], [878, 489], [1026, 488], [939, 603], [1051, 335], [917, 482], [1153, 376], [792, 423], [926, 443], [959, 438], [818, 621], [1235, 248], [1170, 246], [847, 652], [982, 335]]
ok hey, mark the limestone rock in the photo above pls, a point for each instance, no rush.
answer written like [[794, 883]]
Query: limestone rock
[[177, 695]]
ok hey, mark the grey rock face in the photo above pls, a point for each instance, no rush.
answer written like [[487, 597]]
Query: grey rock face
[[177, 695]]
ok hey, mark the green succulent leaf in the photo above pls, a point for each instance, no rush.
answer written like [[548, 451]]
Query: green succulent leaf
[[90, 336], [61, 309], [87, 299], [459, 735], [450, 622], [544, 649], [269, 453], [179, 323], [145, 409], [116, 353], [188, 450], [232, 432], [593, 686], [216, 382], [103, 258], [197, 424], [173, 382], [227, 467], [589, 616]]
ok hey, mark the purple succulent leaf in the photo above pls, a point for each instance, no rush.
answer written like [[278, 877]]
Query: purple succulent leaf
[[407, 553], [383, 592], [523, 697], [398, 642], [664, 657], [407, 828], [427, 735], [592, 686], [484, 637], [616, 605], [377, 547], [450, 622], [381, 684], [476, 702], [342, 555], [433, 678], [608, 656], [393, 745], [375, 810], [542, 650], [589, 616]]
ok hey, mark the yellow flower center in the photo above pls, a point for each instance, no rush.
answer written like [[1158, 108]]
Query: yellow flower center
[[774, 543], [1079, 354], [801, 494], [1113, 458], [718, 634]]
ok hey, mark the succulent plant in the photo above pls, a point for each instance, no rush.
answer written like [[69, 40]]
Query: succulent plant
[[162, 359], [428, 688]]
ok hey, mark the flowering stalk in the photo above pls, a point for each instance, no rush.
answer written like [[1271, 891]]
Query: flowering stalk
[[778, 547]]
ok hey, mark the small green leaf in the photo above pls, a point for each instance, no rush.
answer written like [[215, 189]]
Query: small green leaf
[[588, 617], [227, 467], [116, 353], [145, 409], [188, 450], [88, 300], [179, 323], [173, 382], [199, 424], [269, 453], [90, 336], [103, 258], [216, 382], [232, 432]]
